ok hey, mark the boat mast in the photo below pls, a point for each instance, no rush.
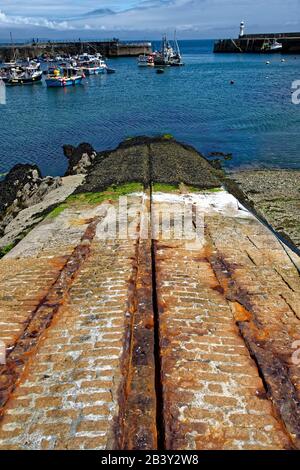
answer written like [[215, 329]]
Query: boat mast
[[13, 46], [176, 44], [165, 47]]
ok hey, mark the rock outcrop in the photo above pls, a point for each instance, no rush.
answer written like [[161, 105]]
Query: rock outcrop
[[23, 187], [26, 198], [80, 158]]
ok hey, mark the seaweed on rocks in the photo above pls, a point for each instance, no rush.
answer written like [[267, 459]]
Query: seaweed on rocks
[[171, 163]]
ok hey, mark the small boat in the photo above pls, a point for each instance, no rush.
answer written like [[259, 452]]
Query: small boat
[[271, 46], [143, 61], [276, 46], [11, 63], [63, 77], [91, 64], [160, 71], [146, 60], [92, 67]]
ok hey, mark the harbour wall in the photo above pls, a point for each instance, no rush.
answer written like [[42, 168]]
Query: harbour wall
[[253, 43], [113, 48]]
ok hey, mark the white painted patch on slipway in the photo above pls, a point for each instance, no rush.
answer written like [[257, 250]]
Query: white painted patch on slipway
[[219, 202]]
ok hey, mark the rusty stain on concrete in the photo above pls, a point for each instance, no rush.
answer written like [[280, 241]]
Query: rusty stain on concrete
[[135, 427], [41, 318], [272, 365], [208, 331]]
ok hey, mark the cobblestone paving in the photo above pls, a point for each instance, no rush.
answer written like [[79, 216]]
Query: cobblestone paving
[[68, 396], [225, 311], [214, 397], [28, 272]]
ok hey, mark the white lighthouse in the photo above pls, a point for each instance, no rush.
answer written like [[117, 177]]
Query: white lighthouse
[[242, 29]]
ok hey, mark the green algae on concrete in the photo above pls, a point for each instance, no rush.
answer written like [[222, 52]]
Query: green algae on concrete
[[165, 188], [112, 193], [6, 249]]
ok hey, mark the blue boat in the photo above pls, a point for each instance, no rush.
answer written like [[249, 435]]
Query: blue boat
[[61, 77]]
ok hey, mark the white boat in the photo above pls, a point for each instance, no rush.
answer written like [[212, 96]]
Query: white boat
[[271, 46], [143, 61], [276, 46], [91, 64], [11, 64]]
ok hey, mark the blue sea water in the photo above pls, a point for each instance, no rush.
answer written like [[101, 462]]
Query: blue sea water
[[254, 119]]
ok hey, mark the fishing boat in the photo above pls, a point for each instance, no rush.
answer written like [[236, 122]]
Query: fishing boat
[[93, 67], [170, 55], [25, 78], [90, 64], [22, 75], [63, 77]]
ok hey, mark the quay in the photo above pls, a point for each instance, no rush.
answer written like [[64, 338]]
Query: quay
[[256, 43], [109, 48]]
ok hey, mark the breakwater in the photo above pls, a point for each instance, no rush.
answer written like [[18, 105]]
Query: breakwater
[[254, 43], [112, 48]]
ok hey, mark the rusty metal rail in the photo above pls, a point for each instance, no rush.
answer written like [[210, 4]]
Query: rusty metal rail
[[41, 318], [161, 339], [135, 427]]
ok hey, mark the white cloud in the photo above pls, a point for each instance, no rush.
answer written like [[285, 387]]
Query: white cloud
[[201, 17], [35, 21]]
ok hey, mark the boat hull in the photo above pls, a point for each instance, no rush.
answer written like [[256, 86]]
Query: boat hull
[[22, 81], [62, 83], [93, 71]]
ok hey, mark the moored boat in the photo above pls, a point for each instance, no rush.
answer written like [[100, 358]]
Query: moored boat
[[271, 46], [93, 67], [21, 75], [169, 56], [146, 60], [24, 78], [143, 60], [90, 64], [63, 77]]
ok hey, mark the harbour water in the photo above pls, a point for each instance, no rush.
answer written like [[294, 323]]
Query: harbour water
[[254, 118]]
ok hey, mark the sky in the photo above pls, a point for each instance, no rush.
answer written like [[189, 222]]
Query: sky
[[144, 19]]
